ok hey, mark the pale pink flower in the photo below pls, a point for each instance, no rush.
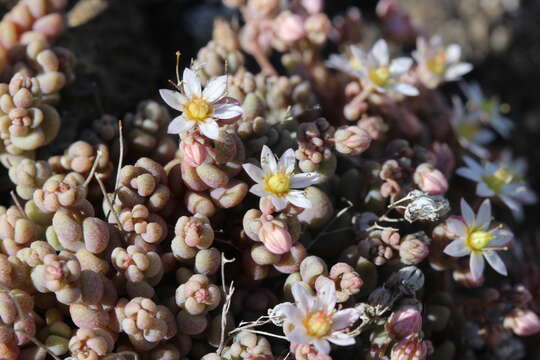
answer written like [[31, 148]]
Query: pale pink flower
[[276, 179], [477, 239], [200, 108], [313, 320]]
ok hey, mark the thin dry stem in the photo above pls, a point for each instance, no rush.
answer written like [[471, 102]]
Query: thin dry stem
[[93, 169], [120, 163], [227, 304], [18, 203]]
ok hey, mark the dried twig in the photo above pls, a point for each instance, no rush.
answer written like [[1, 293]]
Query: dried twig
[[18, 203], [226, 304], [93, 169]]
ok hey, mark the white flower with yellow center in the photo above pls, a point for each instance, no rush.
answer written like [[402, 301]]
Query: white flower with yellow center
[[375, 68], [313, 320], [438, 63], [469, 129], [200, 108], [477, 239], [499, 180], [488, 109], [277, 180]]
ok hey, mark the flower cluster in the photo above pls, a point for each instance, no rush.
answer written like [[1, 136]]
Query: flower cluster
[[310, 211]]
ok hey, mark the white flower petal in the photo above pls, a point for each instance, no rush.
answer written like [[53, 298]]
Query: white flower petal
[[341, 339], [215, 89], [173, 98], [268, 161], [290, 312], [477, 265], [467, 212], [180, 124], [279, 203], [457, 248], [302, 298], [322, 346], [483, 190], [468, 173], [303, 180], [380, 52], [326, 296], [503, 237], [287, 162], [453, 53], [357, 53], [227, 111], [298, 335], [496, 262], [210, 129], [473, 165], [192, 84], [400, 66], [457, 226], [456, 71], [298, 198], [344, 318], [254, 172], [483, 218], [258, 189], [405, 89]]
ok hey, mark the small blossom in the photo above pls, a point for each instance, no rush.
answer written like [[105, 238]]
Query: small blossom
[[277, 180], [438, 63], [470, 132], [489, 109], [200, 108], [376, 69], [499, 180], [312, 320], [522, 322], [477, 239], [410, 348]]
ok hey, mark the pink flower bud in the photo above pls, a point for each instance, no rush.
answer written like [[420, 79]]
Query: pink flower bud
[[522, 322], [289, 27], [410, 348], [313, 6], [276, 238], [404, 321], [193, 152], [352, 140], [430, 180]]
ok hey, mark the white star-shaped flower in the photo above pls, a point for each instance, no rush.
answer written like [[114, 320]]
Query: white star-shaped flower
[[376, 69], [477, 239], [200, 108], [438, 63], [499, 180], [277, 180], [313, 320]]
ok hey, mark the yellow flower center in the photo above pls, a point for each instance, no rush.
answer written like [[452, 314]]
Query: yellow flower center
[[479, 239], [198, 109], [437, 64], [318, 324], [498, 179], [380, 76], [468, 130], [278, 184]]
